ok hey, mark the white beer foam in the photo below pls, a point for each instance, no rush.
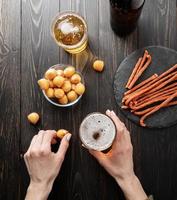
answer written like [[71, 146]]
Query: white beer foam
[[97, 123]]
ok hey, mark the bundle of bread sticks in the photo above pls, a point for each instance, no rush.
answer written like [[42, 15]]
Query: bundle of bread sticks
[[152, 94]]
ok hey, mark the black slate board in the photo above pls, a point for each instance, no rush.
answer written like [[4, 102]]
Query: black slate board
[[162, 59]]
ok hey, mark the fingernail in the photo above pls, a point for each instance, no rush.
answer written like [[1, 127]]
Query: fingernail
[[108, 111], [68, 137], [113, 112]]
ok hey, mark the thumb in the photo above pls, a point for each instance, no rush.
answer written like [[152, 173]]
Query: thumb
[[63, 147]]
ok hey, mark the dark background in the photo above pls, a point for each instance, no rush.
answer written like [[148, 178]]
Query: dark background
[[27, 50]]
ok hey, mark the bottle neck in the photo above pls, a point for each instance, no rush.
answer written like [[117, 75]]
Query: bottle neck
[[125, 4]]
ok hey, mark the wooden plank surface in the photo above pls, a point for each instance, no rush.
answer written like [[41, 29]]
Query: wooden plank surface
[[38, 53], [158, 27], [9, 99], [81, 176]]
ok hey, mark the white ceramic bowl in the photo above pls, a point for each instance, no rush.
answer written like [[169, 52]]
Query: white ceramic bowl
[[52, 101]]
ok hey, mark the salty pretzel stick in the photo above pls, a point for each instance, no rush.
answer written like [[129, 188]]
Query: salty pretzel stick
[[134, 72], [164, 103], [169, 71], [141, 84], [142, 91], [143, 112], [161, 82], [156, 94], [144, 88], [149, 59], [159, 87], [138, 66], [164, 89], [147, 103], [159, 77], [151, 101], [143, 60]]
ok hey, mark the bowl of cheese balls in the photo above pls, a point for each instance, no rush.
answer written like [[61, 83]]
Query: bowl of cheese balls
[[62, 85]]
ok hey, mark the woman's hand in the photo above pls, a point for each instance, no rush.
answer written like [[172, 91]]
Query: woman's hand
[[119, 161], [43, 165]]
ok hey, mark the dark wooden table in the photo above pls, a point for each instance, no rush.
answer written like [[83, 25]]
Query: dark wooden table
[[27, 50]]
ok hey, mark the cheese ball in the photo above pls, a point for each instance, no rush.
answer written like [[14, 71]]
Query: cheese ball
[[69, 71], [33, 118], [59, 93], [50, 93], [60, 72], [61, 133], [73, 86], [66, 86], [75, 78], [43, 84], [98, 65], [80, 89], [63, 100], [51, 85], [50, 74], [72, 96], [58, 81]]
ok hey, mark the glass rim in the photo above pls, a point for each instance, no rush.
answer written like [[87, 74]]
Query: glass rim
[[62, 14]]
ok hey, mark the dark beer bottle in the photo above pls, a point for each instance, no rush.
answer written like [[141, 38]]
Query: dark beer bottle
[[125, 15]]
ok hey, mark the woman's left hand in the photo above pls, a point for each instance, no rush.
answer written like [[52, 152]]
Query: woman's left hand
[[44, 165]]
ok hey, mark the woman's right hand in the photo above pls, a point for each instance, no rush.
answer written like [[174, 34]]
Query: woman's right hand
[[119, 161]]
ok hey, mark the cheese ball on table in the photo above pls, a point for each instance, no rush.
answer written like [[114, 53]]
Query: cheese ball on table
[[33, 118], [98, 65]]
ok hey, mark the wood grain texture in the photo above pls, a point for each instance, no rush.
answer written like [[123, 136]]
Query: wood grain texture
[[9, 99], [38, 53], [81, 177], [157, 27]]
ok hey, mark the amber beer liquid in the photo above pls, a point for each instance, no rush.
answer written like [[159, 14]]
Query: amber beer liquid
[[69, 31], [97, 131], [125, 15]]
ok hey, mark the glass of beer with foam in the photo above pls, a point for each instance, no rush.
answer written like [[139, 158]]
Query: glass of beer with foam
[[69, 30], [97, 131]]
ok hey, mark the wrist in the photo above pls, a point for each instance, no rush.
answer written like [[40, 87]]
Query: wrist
[[126, 180], [39, 190], [132, 188]]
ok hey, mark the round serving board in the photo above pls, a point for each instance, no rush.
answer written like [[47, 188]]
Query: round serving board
[[162, 59]]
